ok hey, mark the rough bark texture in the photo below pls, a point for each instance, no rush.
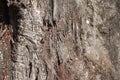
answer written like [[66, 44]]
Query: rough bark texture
[[64, 39]]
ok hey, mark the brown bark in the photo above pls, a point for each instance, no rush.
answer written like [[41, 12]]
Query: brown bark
[[64, 39]]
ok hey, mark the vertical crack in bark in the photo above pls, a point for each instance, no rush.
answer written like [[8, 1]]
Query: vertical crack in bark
[[37, 74], [15, 16], [52, 21], [30, 69], [58, 58], [52, 8]]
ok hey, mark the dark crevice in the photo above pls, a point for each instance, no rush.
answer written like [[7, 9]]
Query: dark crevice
[[30, 69], [4, 12], [47, 23], [15, 16], [23, 6], [54, 23], [58, 59], [37, 74]]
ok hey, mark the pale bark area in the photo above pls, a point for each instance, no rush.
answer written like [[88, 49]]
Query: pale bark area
[[65, 39]]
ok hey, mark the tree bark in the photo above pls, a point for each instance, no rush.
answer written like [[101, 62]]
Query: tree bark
[[63, 39]]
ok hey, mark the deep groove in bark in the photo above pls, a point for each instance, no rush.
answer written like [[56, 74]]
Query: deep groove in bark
[[4, 12], [30, 69]]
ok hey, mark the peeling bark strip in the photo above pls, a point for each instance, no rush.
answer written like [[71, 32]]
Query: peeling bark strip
[[62, 39]]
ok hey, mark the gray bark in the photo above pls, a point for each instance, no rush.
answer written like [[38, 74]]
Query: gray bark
[[65, 39]]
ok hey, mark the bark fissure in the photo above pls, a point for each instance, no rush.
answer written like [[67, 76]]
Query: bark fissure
[[30, 69]]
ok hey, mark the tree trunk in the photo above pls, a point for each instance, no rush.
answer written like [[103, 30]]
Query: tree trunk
[[62, 39]]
